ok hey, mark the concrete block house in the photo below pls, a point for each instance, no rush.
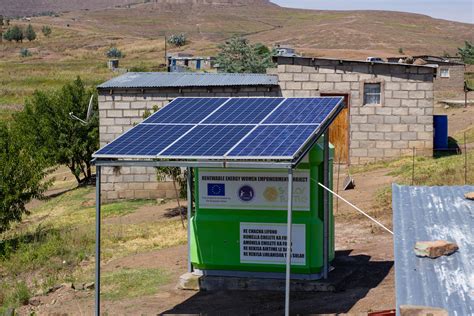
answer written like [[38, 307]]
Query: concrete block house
[[449, 74], [388, 108]]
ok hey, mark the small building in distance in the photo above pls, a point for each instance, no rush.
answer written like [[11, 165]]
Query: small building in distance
[[450, 73], [285, 50], [184, 62]]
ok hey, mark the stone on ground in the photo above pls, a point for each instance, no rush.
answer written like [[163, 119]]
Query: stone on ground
[[435, 249], [469, 195], [189, 281]]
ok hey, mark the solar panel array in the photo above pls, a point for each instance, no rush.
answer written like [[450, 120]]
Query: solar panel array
[[231, 128]]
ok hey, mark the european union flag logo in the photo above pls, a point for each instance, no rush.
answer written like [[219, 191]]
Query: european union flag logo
[[216, 189]]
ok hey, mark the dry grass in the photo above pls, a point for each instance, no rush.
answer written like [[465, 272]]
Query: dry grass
[[78, 49]]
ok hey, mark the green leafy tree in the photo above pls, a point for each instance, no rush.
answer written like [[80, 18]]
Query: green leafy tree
[[46, 30], [238, 55], [21, 175], [46, 123], [467, 52], [30, 33], [14, 33]]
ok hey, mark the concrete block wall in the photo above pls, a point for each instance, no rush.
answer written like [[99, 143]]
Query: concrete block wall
[[120, 110], [403, 119], [455, 82]]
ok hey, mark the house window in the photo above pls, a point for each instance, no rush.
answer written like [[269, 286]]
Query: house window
[[444, 73], [372, 93]]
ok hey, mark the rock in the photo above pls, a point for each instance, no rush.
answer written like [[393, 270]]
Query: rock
[[446, 106], [89, 286], [411, 310], [189, 281], [9, 312], [53, 289], [160, 201], [469, 195], [68, 285], [53, 302], [435, 249], [35, 301], [79, 287]]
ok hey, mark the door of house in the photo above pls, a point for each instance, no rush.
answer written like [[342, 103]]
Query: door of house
[[339, 131]]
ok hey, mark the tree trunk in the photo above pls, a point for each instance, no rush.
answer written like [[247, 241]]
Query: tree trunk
[[179, 204]]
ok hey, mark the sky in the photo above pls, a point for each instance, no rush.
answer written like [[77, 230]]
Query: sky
[[454, 10]]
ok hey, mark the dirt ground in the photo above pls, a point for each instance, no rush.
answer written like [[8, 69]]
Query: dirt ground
[[359, 243], [370, 287]]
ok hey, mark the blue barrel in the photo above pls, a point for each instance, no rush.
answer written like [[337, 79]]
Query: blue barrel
[[440, 126]]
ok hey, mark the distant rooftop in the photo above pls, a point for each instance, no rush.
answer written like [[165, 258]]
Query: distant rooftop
[[307, 61], [434, 213], [139, 80]]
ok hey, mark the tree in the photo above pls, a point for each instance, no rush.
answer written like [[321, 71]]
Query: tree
[[1, 20], [238, 55], [30, 33], [178, 40], [14, 33], [21, 176], [114, 52], [467, 52], [60, 140], [46, 30]]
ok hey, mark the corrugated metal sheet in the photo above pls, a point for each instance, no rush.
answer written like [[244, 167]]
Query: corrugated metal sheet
[[434, 213], [168, 80]]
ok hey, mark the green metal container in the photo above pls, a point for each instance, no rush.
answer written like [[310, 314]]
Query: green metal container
[[240, 219]]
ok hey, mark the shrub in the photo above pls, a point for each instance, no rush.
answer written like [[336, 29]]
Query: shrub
[[30, 33], [178, 40], [400, 51], [114, 52], [24, 52], [46, 30]]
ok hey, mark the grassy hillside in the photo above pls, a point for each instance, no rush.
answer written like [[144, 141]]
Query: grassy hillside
[[80, 39]]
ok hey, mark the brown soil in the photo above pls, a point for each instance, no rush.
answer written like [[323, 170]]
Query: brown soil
[[371, 287]]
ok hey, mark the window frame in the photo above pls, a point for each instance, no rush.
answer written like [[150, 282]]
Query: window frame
[[441, 72], [381, 82]]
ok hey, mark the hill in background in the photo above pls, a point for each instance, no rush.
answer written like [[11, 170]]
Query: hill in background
[[80, 38]]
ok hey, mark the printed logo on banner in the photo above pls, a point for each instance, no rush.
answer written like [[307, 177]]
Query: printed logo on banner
[[246, 193], [216, 189]]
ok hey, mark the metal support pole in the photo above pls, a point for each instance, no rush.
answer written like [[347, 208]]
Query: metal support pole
[[326, 207], [288, 242], [190, 206], [97, 241]]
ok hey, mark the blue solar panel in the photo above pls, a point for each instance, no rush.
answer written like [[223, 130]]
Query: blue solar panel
[[144, 140], [208, 140], [274, 141], [303, 111], [243, 111], [186, 110]]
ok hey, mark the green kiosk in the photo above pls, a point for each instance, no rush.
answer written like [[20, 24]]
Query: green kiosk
[[262, 169], [239, 227]]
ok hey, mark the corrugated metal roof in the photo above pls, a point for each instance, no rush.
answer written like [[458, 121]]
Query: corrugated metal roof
[[434, 213], [168, 80]]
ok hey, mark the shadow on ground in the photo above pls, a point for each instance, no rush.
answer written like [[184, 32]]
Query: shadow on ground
[[365, 276]]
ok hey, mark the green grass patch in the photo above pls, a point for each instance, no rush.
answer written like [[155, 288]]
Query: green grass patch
[[124, 207], [13, 294], [130, 283], [459, 136], [448, 170]]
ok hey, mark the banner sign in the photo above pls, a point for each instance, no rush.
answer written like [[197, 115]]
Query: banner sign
[[254, 190], [266, 243]]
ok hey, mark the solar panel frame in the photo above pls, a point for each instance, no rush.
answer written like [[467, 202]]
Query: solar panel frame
[[294, 159]]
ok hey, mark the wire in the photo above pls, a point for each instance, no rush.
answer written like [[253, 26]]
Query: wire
[[358, 209]]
